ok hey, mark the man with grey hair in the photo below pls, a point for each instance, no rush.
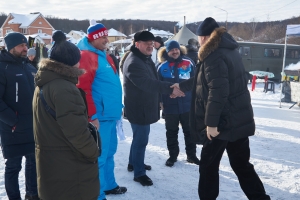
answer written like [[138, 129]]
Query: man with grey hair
[[31, 57]]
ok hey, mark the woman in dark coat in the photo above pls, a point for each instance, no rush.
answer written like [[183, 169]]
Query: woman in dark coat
[[66, 153]]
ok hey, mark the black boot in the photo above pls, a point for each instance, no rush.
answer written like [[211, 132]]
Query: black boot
[[170, 162], [130, 167], [144, 180], [117, 190], [193, 159]]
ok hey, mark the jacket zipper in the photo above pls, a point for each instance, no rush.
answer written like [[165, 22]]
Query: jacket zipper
[[17, 90]]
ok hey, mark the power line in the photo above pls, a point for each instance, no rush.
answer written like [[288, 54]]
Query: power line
[[277, 9]]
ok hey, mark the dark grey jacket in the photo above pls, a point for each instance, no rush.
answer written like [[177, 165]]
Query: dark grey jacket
[[220, 94], [141, 88]]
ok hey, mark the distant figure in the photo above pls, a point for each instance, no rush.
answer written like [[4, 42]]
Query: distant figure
[[176, 67], [16, 126], [116, 62], [192, 50], [116, 54], [31, 57], [103, 89], [158, 43], [221, 104], [66, 152]]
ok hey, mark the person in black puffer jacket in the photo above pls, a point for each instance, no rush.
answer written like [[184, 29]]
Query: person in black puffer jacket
[[221, 103]]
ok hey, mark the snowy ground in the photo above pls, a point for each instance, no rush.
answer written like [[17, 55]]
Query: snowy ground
[[275, 152]]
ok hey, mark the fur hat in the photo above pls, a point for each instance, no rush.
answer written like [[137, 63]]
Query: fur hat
[[64, 52], [207, 27], [14, 39], [159, 40], [96, 30], [172, 45], [144, 36], [31, 52]]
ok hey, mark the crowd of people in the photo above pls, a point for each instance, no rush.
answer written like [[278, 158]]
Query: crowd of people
[[46, 109]]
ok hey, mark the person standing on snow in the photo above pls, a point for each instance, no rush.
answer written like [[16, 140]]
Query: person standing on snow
[[142, 90], [175, 67], [103, 89], [221, 103], [16, 127], [64, 145]]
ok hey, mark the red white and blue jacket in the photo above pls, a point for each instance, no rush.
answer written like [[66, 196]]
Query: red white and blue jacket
[[100, 82], [175, 71]]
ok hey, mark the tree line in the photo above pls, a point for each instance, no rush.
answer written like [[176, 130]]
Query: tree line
[[268, 32]]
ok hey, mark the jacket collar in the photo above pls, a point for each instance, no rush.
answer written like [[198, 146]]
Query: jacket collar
[[50, 70], [162, 54], [139, 54], [212, 44]]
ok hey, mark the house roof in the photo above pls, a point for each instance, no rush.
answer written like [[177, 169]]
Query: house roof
[[125, 41], [156, 32], [114, 33], [41, 35], [25, 20], [81, 33]]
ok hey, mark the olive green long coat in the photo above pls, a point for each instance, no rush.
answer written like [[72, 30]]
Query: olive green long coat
[[66, 153]]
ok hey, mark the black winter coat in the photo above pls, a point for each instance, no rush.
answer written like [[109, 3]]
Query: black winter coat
[[16, 93], [141, 88], [220, 94], [192, 53]]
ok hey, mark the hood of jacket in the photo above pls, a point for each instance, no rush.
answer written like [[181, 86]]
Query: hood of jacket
[[162, 54], [123, 60], [84, 45], [7, 57], [50, 70], [218, 39], [191, 48]]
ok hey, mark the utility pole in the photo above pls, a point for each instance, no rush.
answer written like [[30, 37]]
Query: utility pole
[[226, 14]]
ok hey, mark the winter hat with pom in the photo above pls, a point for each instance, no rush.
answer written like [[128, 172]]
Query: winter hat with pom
[[63, 51], [96, 30], [59, 35]]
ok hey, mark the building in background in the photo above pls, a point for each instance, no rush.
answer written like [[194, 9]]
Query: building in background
[[32, 24], [114, 35]]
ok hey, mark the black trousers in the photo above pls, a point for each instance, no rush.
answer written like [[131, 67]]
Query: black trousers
[[172, 126], [239, 155]]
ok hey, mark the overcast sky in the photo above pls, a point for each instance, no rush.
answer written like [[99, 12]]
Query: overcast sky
[[169, 10]]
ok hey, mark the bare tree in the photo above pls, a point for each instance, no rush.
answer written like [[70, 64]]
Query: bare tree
[[253, 24]]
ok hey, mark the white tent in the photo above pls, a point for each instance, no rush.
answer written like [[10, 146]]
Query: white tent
[[291, 31], [183, 36]]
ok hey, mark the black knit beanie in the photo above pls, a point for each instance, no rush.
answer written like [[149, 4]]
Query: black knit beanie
[[207, 27], [63, 51]]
